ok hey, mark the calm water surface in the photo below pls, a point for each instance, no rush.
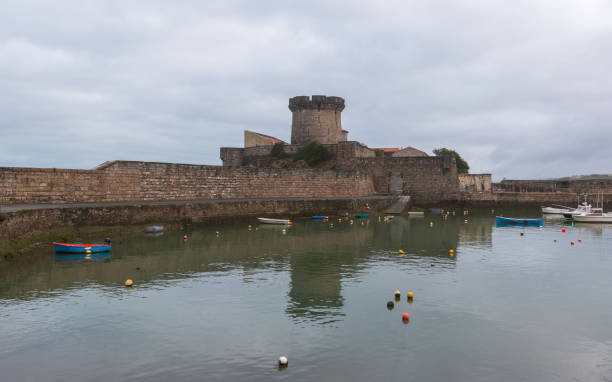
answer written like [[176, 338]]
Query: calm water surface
[[504, 307]]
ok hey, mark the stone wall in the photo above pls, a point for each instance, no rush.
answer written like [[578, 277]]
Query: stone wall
[[17, 224], [475, 182], [588, 186], [146, 181], [425, 179]]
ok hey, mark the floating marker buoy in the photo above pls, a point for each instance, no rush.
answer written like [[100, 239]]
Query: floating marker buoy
[[431, 224], [451, 250], [184, 237], [249, 227], [522, 233], [580, 240], [331, 225], [563, 230], [390, 304], [397, 294], [400, 251], [339, 219], [554, 241], [284, 231], [433, 265], [217, 233], [410, 295], [129, 282], [405, 317], [571, 243], [283, 362]]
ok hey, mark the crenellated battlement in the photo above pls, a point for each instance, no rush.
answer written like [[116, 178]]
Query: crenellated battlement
[[317, 118], [316, 102]]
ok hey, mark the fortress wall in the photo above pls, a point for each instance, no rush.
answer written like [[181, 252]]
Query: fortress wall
[[475, 182], [146, 181], [425, 179], [588, 186]]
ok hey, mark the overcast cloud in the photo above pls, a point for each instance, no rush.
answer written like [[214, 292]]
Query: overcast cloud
[[522, 89]]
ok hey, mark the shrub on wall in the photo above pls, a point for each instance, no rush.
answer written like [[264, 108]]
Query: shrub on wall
[[278, 150], [462, 165], [312, 153]]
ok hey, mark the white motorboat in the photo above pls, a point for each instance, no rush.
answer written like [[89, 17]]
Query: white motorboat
[[596, 215], [583, 208], [274, 221], [556, 210]]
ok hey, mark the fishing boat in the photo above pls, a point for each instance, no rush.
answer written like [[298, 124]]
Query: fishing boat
[[596, 215], [82, 247], [519, 221], [274, 221], [582, 208]]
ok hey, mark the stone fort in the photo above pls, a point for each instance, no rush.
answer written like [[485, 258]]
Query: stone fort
[[358, 171], [396, 171]]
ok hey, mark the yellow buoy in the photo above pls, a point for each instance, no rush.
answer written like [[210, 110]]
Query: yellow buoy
[[400, 251], [431, 224], [410, 295], [451, 251], [129, 282]]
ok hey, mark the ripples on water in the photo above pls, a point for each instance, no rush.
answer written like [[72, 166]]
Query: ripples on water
[[504, 307]]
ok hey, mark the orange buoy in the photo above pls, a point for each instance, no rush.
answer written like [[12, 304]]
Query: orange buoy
[[580, 240], [129, 283], [405, 317]]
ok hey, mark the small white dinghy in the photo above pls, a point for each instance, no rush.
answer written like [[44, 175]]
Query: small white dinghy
[[555, 210], [274, 221]]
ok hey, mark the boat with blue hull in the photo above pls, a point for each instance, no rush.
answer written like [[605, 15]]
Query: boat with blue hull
[[518, 221], [81, 247]]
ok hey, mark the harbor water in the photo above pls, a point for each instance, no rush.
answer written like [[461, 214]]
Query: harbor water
[[509, 303]]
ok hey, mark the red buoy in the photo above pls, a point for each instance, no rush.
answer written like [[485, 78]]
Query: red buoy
[[571, 242], [405, 316], [580, 240], [554, 241], [185, 237], [563, 230]]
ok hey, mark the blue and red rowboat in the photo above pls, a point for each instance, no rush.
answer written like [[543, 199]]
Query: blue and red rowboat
[[82, 248], [521, 221]]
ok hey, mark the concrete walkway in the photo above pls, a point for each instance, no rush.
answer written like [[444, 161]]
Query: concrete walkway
[[20, 207]]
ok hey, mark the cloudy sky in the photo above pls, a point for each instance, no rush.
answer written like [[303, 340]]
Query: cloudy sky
[[522, 89]]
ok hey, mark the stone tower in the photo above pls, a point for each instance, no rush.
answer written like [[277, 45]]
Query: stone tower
[[317, 119]]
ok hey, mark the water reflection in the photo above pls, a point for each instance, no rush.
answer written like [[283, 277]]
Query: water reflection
[[318, 256], [103, 256]]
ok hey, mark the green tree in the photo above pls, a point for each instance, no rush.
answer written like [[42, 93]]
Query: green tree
[[312, 153], [278, 150], [462, 165]]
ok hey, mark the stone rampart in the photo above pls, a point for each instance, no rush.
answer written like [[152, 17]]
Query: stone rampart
[[145, 181], [425, 179], [475, 182], [584, 186]]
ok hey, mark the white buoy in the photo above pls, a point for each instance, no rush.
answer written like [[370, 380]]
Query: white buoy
[[283, 361]]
